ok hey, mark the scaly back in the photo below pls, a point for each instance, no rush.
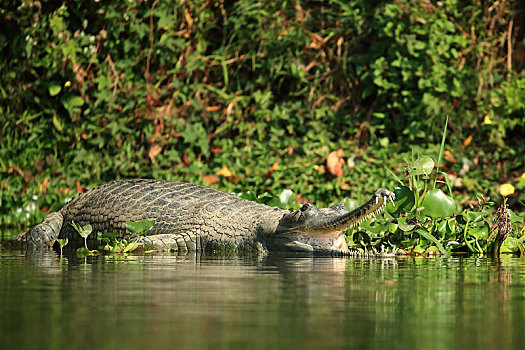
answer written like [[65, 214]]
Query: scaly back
[[177, 208]]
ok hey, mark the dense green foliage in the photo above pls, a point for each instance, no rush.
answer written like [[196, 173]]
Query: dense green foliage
[[254, 95]]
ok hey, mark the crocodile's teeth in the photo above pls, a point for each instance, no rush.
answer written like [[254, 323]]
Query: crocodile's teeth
[[377, 200], [392, 201]]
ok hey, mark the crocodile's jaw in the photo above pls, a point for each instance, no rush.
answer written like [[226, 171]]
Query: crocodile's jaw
[[310, 229], [332, 243]]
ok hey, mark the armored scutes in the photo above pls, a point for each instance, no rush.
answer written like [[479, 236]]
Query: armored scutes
[[191, 217]]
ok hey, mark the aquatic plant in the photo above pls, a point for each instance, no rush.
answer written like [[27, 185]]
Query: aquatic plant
[[84, 232], [424, 218], [62, 242], [113, 244]]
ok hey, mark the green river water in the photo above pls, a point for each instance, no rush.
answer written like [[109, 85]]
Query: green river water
[[279, 301]]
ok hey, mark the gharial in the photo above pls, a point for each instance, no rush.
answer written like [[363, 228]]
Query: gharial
[[192, 217]]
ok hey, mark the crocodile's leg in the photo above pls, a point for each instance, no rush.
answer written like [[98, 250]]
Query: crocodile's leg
[[40, 236], [44, 234]]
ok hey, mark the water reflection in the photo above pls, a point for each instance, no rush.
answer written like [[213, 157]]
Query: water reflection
[[274, 301]]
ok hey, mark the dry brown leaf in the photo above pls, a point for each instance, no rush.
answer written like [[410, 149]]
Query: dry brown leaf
[[224, 172], [229, 110], [80, 188], [154, 151], [188, 18], [63, 191], [317, 41], [343, 184], [271, 170], [449, 156], [334, 163], [467, 141], [323, 149], [211, 179], [26, 174], [44, 184], [15, 168]]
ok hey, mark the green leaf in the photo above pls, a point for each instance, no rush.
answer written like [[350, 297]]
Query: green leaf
[[481, 232], [86, 230], [375, 228], [140, 226], [109, 235], [265, 197], [452, 225], [475, 216], [74, 101], [117, 248], [392, 227], [515, 218], [438, 205], [248, 196], [433, 239], [54, 90], [422, 166], [83, 231], [510, 245], [404, 201], [441, 227], [418, 249], [276, 202], [62, 242], [131, 247], [195, 134], [403, 226], [57, 123]]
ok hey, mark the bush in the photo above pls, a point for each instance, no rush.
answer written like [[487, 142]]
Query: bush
[[179, 90]]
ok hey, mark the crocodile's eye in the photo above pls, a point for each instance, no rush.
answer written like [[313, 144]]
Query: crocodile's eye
[[305, 207]]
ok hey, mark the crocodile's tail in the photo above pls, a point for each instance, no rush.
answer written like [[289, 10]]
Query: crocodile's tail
[[41, 236]]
